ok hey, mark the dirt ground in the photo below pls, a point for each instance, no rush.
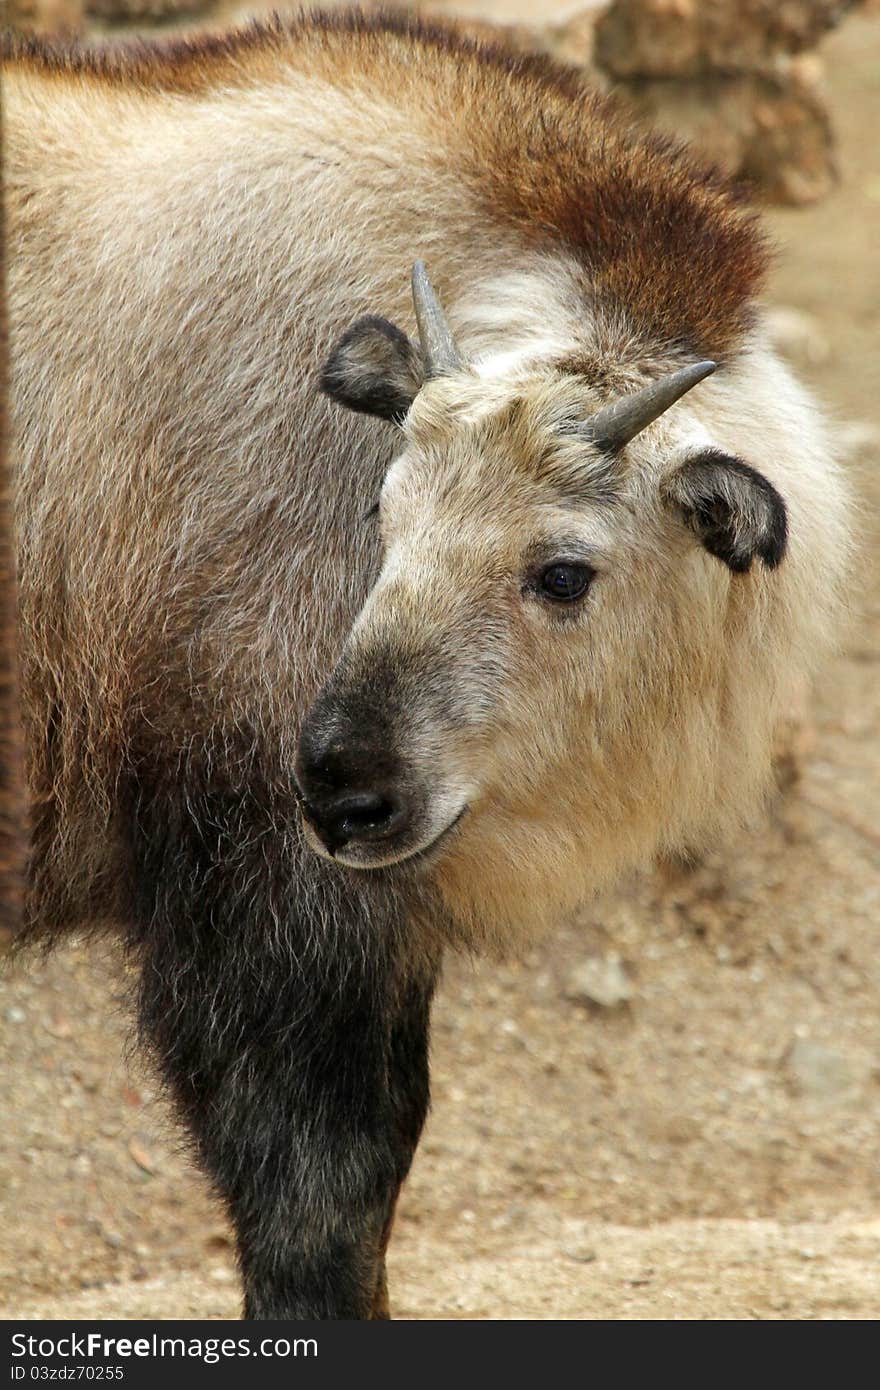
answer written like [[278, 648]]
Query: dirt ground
[[706, 1147]]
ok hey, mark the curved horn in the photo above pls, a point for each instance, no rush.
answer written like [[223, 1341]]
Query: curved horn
[[438, 345], [616, 424]]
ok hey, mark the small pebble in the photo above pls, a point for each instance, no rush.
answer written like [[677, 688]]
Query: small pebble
[[601, 981], [816, 1072]]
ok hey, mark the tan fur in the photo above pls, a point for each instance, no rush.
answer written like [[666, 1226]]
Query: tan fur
[[13, 817], [191, 229]]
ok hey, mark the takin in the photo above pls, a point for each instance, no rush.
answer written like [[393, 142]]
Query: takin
[[365, 614]]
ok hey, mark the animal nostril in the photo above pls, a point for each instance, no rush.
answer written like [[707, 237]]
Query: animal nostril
[[367, 816], [351, 790], [364, 813]]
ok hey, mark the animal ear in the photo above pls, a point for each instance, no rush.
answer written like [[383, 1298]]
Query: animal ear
[[374, 368], [732, 508]]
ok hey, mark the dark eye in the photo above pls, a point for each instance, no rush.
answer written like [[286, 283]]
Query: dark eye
[[564, 582]]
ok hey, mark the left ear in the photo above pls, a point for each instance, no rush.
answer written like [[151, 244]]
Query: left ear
[[736, 513], [375, 369]]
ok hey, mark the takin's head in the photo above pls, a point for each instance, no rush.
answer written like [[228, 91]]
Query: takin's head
[[570, 658]]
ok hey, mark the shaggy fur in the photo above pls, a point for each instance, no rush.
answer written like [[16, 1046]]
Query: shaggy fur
[[192, 228], [13, 849]]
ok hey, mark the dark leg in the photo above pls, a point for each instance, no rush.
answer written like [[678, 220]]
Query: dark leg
[[269, 995], [381, 1309], [409, 1090]]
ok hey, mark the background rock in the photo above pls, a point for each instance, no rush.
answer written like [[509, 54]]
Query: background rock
[[601, 981], [818, 1073], [739, 80], [686, 38]]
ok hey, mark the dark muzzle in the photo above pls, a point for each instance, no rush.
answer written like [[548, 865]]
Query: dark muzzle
[[352, 784]]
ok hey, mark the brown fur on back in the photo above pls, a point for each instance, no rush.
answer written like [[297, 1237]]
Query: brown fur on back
[[533, 143]]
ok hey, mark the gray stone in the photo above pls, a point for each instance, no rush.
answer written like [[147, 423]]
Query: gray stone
[[818, 1073], [600, 981]]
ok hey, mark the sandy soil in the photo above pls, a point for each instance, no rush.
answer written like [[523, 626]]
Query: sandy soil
[[707, 1147]]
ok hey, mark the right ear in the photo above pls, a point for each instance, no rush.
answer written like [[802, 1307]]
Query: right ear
[[374, 368], [735, 511]]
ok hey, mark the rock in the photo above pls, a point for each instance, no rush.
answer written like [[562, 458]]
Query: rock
[[140, 11], [737, 80], [143, 1156], [64, 17], [581, 1254], [600, 981], [686, 38], [218, 1240], [769, 130], [572, 40], [58, 1026], [45, 16], [818, 1073]]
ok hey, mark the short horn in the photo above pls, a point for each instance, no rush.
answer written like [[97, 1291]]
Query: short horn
[[438, 345], [616, 424]]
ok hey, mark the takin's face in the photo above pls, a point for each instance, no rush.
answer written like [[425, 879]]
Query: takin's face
[[540, 620]]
